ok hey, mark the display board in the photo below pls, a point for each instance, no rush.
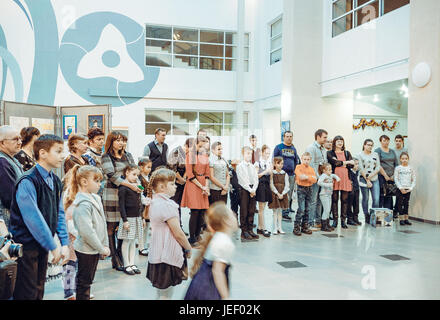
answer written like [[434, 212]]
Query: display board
[[57, 120]]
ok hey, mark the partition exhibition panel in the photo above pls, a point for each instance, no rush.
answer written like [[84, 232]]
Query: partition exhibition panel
[[57, 120]]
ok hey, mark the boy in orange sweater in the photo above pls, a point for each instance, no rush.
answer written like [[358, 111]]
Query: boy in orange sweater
[[305, 177]]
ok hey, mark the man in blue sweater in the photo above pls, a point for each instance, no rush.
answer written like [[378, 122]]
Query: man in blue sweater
[[37, 213], [287, 151]]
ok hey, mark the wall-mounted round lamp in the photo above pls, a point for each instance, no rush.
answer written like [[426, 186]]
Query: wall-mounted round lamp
[[421, 74]]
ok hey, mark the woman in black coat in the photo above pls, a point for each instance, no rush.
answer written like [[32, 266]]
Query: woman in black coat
[[341, 161]]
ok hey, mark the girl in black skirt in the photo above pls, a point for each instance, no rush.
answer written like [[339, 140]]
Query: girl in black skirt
[[169, 246], [210, 271], [264, 194]]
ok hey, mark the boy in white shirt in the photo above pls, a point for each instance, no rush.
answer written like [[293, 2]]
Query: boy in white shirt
[[248, 181]]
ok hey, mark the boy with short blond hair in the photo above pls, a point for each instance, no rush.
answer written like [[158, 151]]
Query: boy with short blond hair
[[305, 177]]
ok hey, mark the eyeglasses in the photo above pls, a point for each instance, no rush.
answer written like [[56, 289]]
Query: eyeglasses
[[369, 145]]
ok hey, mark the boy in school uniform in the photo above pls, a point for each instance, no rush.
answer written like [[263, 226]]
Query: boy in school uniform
[[37, 213], [248, 181], [305, 177]]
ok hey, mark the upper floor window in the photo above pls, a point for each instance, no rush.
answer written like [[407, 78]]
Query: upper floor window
[[276, 41], [349, 14], [187, 123], [175, 47]]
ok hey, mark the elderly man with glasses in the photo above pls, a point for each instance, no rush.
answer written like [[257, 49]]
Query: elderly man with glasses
[[10, 170]]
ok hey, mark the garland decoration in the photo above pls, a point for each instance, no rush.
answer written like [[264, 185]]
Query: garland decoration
[[372, 123]]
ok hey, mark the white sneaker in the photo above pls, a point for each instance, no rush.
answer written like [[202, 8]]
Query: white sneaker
[[275, 232], [281, 231]]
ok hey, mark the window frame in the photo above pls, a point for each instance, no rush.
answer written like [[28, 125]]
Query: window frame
[[353, 11], [271, 38], [199, 43], [197, 122]]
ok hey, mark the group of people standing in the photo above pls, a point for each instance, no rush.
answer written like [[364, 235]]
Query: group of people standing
[[106, 202]]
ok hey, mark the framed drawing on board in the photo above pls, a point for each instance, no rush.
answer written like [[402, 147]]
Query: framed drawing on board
[[285, 126], [70, 125], [96, 121]]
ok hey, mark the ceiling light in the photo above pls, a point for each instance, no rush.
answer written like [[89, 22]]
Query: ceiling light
[[404, 88], [359, 96], [376, 98]]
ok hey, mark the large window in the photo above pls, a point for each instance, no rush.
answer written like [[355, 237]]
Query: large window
[[187, 123], [276, 41], [175, 47], [349, 14]]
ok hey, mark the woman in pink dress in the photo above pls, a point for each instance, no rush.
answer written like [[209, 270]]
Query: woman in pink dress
[[196, 192], [341, 161]]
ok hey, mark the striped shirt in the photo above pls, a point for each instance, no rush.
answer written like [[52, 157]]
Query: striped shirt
[[164, 248]]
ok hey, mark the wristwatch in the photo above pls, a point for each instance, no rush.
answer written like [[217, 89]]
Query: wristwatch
[[186, 251]]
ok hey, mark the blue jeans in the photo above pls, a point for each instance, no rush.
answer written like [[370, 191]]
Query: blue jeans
[[384, 201], [304, 204], [315, 206], [375, 193]]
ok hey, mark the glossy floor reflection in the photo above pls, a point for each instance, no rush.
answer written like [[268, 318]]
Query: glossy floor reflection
[[348, 267]]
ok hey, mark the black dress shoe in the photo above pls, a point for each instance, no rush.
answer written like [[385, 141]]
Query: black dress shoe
[[351, 223], [408, 223], [246, 236], [129, 272], [144, 252], [343, 225], [259, 231], [266, 233], [357, 222], [402, 222], [253, 235], [136, 269]]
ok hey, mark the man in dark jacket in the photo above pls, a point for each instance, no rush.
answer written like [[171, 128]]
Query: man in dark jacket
[[157, 150], [10, 169], [288, 152]]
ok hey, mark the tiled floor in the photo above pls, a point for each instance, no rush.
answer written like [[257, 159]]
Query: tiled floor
[[348, 267]]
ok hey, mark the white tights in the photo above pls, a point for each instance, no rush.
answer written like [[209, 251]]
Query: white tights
[[277, 216], [164, 294], [128, 249], [144, 243]]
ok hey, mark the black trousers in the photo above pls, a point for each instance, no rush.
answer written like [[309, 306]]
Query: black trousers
[[216, 195], [234, 196], [31, 274], [247, 210], [177, 198], [115, 250], [344, 204], [402, 203], [87, 264], [353, 205], [196, 223]]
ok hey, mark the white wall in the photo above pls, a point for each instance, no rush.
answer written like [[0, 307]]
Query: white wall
[[381, 41]]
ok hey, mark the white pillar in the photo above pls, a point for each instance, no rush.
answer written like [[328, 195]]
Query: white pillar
[[301, 101], [239, 84], [424, 111]]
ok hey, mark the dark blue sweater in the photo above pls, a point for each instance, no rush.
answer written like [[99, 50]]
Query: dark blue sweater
[[290, 156]]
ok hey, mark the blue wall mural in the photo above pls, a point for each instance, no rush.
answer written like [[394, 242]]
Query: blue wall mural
[[108, 83]]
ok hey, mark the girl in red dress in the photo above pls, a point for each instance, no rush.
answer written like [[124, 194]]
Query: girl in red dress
[[196, 192]]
